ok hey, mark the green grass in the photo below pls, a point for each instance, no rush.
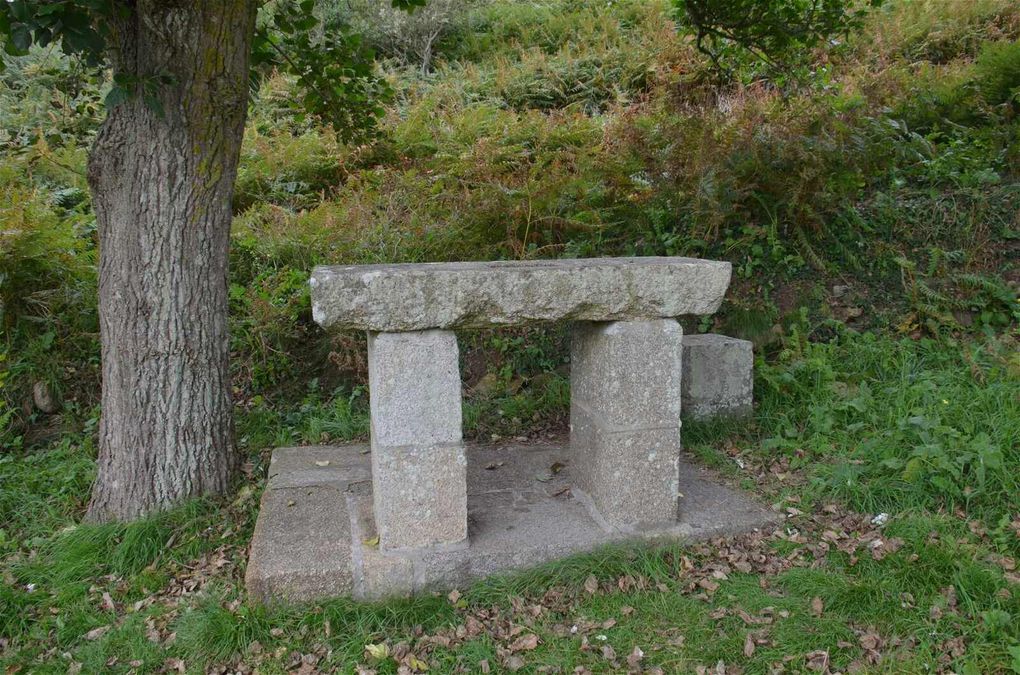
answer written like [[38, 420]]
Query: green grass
[[649, 593]]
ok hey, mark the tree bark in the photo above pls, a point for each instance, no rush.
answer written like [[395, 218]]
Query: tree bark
[[162, 183]]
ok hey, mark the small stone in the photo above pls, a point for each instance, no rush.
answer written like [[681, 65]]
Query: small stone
[[44, 399]]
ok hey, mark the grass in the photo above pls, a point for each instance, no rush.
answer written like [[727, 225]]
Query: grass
[[180, 573]]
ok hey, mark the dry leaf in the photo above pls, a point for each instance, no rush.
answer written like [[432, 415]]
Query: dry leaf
[[525, 643], [608, 652], [709, 585], [591, 584], [416, 664], [377, 651], [818, 661], [817, 606], [634, 660], [96, 633], [748, 646]]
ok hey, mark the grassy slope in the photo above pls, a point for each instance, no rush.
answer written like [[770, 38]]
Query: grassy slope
[[561, 128]]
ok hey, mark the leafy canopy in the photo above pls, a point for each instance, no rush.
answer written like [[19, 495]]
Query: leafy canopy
[[775, 31], [332, 67]]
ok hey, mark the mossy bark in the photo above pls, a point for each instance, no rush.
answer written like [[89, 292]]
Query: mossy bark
[[162, 178]]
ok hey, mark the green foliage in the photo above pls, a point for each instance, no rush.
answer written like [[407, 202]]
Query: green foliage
[[411, 38], [998, 72], [895, 425], [335, 72], [47, 98], [776, 31]]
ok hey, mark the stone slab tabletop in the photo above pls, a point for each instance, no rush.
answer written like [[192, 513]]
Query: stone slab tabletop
[[315, 536], [422, 296]]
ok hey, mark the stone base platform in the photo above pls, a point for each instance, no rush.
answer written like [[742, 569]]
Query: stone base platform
[[316, 538]]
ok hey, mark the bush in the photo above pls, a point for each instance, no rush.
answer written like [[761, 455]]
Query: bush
[[47, 290], [998, 72], [776, 31], [409, 37]]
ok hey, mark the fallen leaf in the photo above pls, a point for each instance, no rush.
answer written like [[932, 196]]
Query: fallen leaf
[[817, 606], [454, 596], [818, 661], [748, 646], [608, 652], [634, 659], [525, 643], [416, 664], [372, 542], [709, 585], [322, 462], [96, 633], [591, 584], [377, 651]]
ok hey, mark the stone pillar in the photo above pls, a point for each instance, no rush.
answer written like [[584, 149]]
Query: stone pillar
[[718, 376], [625, 419], [419, 472]]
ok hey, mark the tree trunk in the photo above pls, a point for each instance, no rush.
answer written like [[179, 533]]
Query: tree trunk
[[162, 179]]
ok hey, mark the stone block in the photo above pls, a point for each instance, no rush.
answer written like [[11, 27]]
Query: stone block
[[414, 388], [630, 476], [418, 466], [310, 538], [301, 547], [625, 420], [420, 495], [628, 372], [419, 296], [718, 376]]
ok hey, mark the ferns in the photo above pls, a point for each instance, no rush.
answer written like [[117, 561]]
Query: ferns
[[942, 294]]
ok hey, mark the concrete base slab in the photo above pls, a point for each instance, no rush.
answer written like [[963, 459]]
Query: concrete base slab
[[316, 535]]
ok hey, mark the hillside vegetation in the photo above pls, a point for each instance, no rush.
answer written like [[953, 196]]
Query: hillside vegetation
[[869, 200]]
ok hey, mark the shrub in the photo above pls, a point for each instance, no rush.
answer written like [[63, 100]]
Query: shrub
[[47, 288], [410, 38], [776, 31], [998, 72]]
